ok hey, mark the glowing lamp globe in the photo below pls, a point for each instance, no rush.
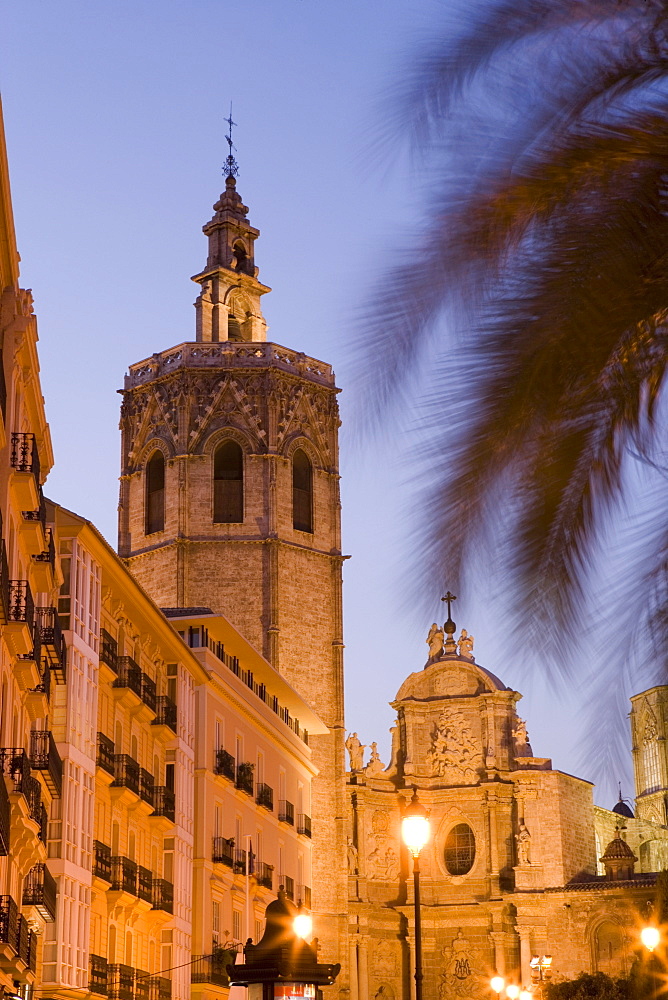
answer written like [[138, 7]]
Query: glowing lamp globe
[[303, 925], [526, 995], [650, 937], [415, 830], [497, 983], [512, 992]]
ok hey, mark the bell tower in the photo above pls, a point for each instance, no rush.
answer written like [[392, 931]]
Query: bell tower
[[229, 499]]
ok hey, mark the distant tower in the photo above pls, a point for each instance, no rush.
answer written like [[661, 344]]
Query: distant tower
[[230, 500], [649, 733]]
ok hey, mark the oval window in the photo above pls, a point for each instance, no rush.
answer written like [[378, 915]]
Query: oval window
[[460, 850]]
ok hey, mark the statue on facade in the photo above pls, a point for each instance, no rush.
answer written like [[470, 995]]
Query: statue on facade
[[356, 752], [375, 765], [435, 641], [353, 858], [521, 737], [523, 839], [465, 643]]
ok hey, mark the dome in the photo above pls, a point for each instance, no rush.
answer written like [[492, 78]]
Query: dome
[[618, 849], [622, 809]]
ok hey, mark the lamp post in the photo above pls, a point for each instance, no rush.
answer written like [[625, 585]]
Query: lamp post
[[415, 833], [283, 964], [651, 938], [541, 971]]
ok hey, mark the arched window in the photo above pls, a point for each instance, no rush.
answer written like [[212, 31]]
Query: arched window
[[240, 256], [233, 328], [228, 483], [302, 492], [155, 493], [651, 758], [460, 850]]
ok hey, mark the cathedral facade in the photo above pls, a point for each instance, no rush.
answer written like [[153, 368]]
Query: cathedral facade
[[520, 863]]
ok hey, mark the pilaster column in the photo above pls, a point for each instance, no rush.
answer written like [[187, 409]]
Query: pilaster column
[[354, 991], [363, 968], [525, 954]]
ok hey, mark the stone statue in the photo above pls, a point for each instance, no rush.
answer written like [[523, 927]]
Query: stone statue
[[523, 839], [520, 734], [435, 641], [465, 643], [375, 765], [353, 859], [356, 751]]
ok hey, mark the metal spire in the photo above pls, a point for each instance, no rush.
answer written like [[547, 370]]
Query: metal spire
[[231, 168]]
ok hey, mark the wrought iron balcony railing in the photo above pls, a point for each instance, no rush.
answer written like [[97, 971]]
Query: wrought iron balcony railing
[[304, 824], [39, 890], [101, 861], [245, 776], [129, 675], [49, 553], [160, 988], [304, 895], [163, 895], [108, 650], [123, 875], [5, 819], [265, 796], [223, 851], [39, 514], [165, 712], [9, 922], [286, 812], [21, 604], [4, 584], [97, 975], [120, 982], [211, 969], [52, 640], [164, 802], [105, 753], [25, 456], [126, 772], [144, 884], [289, 884], [148, 691], [146, 786], [225, 764], [264, 874], [44, 757], [240, 860]]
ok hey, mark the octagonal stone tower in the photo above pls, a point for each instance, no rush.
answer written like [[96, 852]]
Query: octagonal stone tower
[[229, 500]]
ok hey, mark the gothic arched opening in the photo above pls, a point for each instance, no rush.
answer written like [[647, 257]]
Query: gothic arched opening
[[302, 492], [228, 483], [610, 949], [155, 493]]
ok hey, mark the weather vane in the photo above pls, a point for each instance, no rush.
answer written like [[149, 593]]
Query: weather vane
[[231, 168]]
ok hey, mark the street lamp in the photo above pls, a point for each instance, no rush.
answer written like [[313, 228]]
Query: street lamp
[[541, 970], [497, 983], [651, 938], [512, 991], [415, 834]]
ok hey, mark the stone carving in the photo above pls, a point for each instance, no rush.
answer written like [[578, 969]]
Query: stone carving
[[356, 752], [521, 737], [459, 978], [523, 839], [375, 765], [465, 643], [383, 864], [454, 753], [384, 959], [353, 858], [435, 641], [380, 822]]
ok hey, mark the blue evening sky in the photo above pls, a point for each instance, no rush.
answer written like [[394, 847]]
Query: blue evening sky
[[114, 118]]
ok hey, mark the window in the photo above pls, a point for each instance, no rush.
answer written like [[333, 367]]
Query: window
[[228, 484], [236, 925], [302, 492], [651, 759], [155, 493], [460, 850]]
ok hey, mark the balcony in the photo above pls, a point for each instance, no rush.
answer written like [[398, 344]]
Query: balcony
[[39, 890], [53, 642], [160, 988], [105, 754], [101, 861], [4, 583], [225, 764], [165, 713], [45, 759], [123, 875], [120, 982], [164, 803], [126, 773], [304, 895], [44, 563], [264, 874], [148, 692], [146, 787], [5, 819], [9, 922], [163, 895], [289, 884], [108, 650], [33, 524], [20, 627], [265, 796], [144, 884], [129, 675], [223, 851], [286, 812], [29, 672], [15, 764], [304, 824], [245, 777], [24, 460], [211, 968], [97, 975]]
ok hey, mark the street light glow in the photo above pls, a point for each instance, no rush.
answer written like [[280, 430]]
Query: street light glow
[[497, 983], [512, 991], [302, 925], [650, 937], [415, 830]]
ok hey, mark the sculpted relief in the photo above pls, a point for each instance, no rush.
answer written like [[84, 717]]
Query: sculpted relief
[[460, 977], [454, 753]]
